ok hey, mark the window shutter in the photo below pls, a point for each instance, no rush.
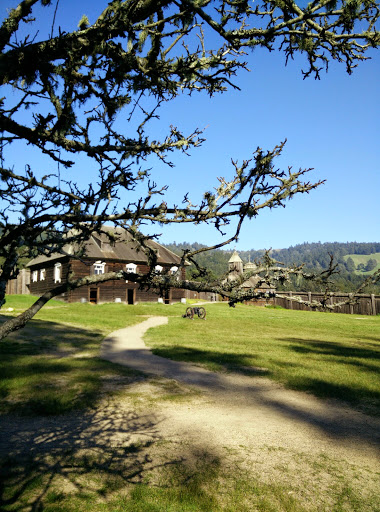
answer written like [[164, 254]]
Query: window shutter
[[105, 269]]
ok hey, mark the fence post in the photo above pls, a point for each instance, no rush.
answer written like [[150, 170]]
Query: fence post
[[309, 299], [291, 302], [373, 303], [350, 295]]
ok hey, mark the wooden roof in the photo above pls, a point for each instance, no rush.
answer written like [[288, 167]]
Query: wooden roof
[[99, 247]]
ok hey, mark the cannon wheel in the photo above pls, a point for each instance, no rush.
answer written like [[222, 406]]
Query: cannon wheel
[[202, 313], [189, 313]]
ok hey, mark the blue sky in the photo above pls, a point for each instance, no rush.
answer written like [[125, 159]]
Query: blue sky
[[332, 125]]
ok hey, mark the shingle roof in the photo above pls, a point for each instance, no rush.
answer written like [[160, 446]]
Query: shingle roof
[[252, 283], [235, 258], [124, 249]]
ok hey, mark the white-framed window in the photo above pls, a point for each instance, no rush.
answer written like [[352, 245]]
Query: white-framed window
[[173, 270], [57, 272], [99, 267], [34, 276], [158, 268], [42, 274], [131, 268]]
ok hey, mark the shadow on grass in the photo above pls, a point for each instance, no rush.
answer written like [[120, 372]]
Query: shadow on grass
[[238, 363], [44, 336], [360, 397], [332, 349], [50, 369], [365, 362], [82, 457], [332, 417], [59, 450]]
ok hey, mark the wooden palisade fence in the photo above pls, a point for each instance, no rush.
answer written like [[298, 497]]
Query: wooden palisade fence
[[19, 285], [364, 304]]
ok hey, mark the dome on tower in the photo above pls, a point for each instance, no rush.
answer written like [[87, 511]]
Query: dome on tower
[[250, 266]]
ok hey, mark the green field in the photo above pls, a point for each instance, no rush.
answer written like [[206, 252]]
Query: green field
[[51, 375], [363, 258], [326, 354], [329, 355]]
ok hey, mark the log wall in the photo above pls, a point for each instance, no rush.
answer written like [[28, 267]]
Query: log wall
[[366, 304], [111, 291]]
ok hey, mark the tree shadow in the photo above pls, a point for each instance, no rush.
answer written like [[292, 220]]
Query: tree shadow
[[94, 453], [340, 415], [307, 346], [102, 450], [48, 368], [228, 361], [83, 450], [40, 336]]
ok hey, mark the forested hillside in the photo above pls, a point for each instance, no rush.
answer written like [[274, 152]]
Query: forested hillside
[[356, 261]]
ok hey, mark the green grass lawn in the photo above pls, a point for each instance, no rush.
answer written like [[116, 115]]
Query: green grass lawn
[[102, 318], [327, 354], [51, 372]]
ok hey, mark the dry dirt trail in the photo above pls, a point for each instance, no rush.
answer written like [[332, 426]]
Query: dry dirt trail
[[245, 414]]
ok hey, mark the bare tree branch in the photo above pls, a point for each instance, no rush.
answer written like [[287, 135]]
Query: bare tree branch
[[69, 90]]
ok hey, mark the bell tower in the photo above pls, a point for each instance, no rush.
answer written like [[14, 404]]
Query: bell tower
[[235, 264]]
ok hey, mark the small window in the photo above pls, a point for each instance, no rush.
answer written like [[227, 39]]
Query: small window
[[173, 270], [158, 268], [34, 276], [57, 272], [99, 268], [42, 274], [131, 268]]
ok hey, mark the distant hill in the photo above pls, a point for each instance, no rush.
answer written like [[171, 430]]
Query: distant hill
[[315, 257], [363, 263]]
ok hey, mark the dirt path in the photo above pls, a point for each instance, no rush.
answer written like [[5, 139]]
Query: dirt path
[[238, 411]]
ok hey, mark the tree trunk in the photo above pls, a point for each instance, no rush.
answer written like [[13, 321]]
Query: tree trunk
[[18, 322]]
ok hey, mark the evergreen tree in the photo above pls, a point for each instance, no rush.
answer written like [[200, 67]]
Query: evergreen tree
[[350, 265], [371, 264]]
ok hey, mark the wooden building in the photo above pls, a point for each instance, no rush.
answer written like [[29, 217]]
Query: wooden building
[[102, 256], [236, 268]]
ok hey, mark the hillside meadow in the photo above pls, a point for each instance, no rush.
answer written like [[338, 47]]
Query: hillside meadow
[[52, 380], [363, 258]]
